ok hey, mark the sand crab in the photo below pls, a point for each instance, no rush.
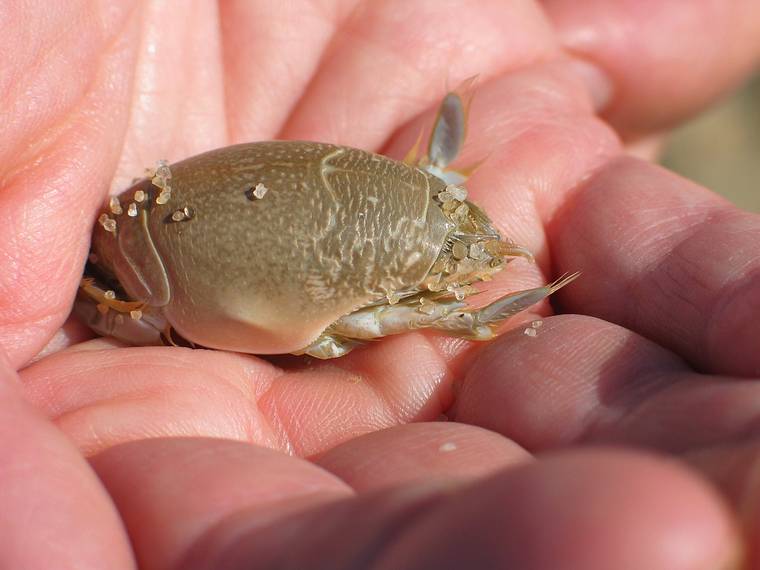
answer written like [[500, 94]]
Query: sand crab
[[299, 247]]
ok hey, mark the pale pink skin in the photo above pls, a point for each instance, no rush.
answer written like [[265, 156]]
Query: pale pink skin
[[318, 461]]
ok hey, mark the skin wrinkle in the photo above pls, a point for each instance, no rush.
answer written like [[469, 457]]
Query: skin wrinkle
[[723, 304], [276, 429], [740, 279], [629, 414], [273, 418], [379, 418], [401, 511], [447, 372], [36, 53], [92, 441], [403, 412], [672, 273], [174, 365], [394, 529], [664, 385], [288, 431], [169, 362], [664, 296]]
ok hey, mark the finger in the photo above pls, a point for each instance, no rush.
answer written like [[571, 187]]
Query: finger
[[451, 453], [157, 392], [414, 50], [667, 259], [176, 106], [666, 60], [71, 333], [557, 514], [171, 492], [593, 510], [151, 392], [583, 380], [54, 514], [735, 469], [60, 140], [269, 61]]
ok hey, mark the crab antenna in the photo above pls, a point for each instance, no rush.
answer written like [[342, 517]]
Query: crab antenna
[[506, 249]]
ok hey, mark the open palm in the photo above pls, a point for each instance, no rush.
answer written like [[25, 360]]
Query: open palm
[[216, 460]]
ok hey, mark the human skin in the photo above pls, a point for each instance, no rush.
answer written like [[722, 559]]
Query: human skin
[[155, 458]]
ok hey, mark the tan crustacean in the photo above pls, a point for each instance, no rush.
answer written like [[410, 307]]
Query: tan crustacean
[[299, 247]]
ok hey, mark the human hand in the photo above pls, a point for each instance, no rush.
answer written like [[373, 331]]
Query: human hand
[[375, 488]]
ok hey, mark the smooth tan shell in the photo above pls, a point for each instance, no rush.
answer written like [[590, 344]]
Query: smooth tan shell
[[337, 229]]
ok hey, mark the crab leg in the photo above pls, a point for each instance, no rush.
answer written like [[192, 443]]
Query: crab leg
[[129, 321], [329, 346], [481, 324], [353, 329], [449, 315], [143, 329], [384, 320]]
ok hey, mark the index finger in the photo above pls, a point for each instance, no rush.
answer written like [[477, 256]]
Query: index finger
[[59, 144]]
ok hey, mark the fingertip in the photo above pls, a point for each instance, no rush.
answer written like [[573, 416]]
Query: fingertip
[[590, 510], [421, 452], [667, 60], [598, 83]]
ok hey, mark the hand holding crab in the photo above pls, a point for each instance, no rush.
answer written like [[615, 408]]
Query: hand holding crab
[[204, 458]]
